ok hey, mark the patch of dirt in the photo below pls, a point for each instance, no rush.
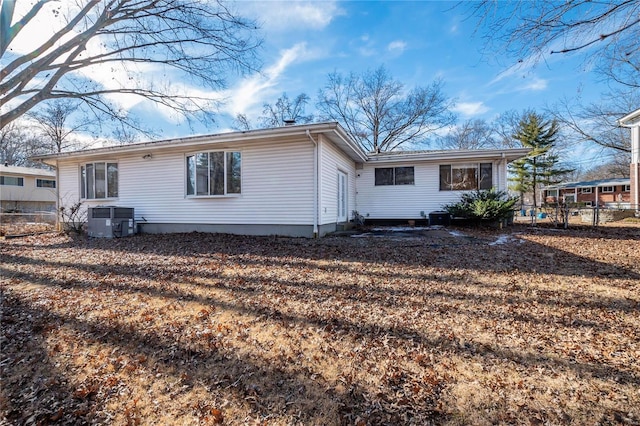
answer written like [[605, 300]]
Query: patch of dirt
[[459, 326]]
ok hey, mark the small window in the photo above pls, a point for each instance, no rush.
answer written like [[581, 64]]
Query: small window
[[394, 176], [588, 204], [45, 183], [585, 190], [99, 180], [627, 188], [608, 188], [462, 177], [214, 173], [11, 181]]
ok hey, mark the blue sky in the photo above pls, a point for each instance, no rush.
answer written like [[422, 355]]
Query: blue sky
[[417, 41]]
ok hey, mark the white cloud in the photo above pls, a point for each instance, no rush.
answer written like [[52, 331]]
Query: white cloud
[[277, 16], [397, 46], [536, 85], [252, 91], [469, 109]]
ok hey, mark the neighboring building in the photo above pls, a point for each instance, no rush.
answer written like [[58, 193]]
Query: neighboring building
[[299, 180], [610, 193], [632, 121], [26, 189]]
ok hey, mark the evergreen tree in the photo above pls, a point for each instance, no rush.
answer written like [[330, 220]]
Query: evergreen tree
[[541, 165]]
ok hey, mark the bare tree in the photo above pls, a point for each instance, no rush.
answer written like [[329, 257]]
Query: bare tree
[[596, 122], [57, 122], [169, 39], [471, 134], [606, 32], [278, 114], [379, 114], [285, 109], [609, 170], [17, 143]]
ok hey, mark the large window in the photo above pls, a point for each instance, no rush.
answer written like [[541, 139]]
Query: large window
[[45, 183], [11, 181], [99, 180], [461, 177], [608, 189], [394, 176], [214, 173]]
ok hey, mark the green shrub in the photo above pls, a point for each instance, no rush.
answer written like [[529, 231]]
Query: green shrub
[[487, 205]]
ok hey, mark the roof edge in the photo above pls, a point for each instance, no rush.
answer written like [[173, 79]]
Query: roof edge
[[631, 119], [195, 140]]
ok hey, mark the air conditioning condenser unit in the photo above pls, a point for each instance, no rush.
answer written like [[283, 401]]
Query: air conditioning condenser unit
[[110, 222]]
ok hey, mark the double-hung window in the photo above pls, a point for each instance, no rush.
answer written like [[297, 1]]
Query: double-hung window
[[99, 180], [214, 173], [606, 189], [462, 177]]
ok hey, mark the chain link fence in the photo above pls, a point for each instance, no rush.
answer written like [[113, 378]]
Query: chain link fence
[[564, 214], [13, 223]]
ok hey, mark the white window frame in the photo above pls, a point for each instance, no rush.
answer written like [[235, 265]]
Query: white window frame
[[19, 180], [226, 193], [586, 190], [466, 166], [40, 183], [607, 189], [108, 191], [394, 171], [626, 188]]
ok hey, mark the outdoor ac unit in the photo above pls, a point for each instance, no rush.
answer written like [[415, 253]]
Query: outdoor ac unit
[[110, 222]]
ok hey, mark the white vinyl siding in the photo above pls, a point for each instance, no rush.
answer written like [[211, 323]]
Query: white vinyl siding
[[332, 161], [28, 191], [277, 187], [407, 201]]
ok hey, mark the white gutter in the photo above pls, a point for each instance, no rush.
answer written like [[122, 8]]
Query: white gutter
[[315, 184], [509, 154]]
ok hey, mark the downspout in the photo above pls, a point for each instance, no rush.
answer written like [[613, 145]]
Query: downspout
[[501, 164], [58, 225], [315, 184]]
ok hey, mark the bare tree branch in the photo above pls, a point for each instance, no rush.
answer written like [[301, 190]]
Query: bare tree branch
[[377, 113], [177, 40], [605, 32]]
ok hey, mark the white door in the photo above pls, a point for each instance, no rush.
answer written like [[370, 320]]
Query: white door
[[342, 197]]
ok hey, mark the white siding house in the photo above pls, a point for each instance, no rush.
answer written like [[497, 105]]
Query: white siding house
[[301, 180], [432, 186], [632, 121], [26, 189]]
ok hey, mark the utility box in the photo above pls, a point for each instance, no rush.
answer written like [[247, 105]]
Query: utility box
[[110, 222], [439, 218]]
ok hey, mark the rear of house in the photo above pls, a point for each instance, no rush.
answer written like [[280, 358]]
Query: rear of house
[[294, 180], [301, 180], [411, 185]]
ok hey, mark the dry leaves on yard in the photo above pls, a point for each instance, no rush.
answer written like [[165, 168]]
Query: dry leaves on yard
[[524, 326]]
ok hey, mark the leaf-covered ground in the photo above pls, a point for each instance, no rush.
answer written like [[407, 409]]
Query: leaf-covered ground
[[518, 326]]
